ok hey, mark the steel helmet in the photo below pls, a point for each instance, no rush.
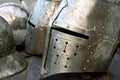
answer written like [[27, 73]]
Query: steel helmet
[[10, 61], [16, 16]]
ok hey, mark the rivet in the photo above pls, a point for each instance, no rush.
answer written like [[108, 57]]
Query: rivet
[[91, 52], [103, 27], [89, 46], [100, 34], [94, 28], [107, 37], [109, 10], [5, 50], [88, 61], [118, 41], [84, 68], [105, 19], [0, 39]]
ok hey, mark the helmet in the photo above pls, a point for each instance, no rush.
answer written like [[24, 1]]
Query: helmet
[[16, 16], [37, 26], [19, 37], [10, 61], [83, 36]]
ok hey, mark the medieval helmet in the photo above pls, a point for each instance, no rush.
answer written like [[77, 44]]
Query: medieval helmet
[[10, 61], [16, 16], [37, 26], [83, 36]]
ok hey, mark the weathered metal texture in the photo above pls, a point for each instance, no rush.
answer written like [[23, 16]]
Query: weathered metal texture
[[16, 16], [82, 37], [10, 61], [37, 26], [115, 2], [19, 36]]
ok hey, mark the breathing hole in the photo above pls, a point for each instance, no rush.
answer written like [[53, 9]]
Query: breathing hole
[[66, 42], [55, 63], [77, 46], [56, 39], [65, 66], [64, 51], [57, 55], [54, 47], [75, 54], [68, 58]]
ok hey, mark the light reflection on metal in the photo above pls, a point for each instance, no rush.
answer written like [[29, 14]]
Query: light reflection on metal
[[37, 25], [83, 43], [16, 16]]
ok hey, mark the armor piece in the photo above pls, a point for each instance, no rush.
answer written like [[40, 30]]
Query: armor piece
[[82, 37], [10, 61], [19, 36], [37, 26], [16, 16]]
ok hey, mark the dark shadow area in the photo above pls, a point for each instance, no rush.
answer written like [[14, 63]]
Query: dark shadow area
[[78, 76]]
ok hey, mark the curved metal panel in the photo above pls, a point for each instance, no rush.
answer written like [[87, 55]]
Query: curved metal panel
[[16, 16], [37, 26], [10, 61], [83, 36]]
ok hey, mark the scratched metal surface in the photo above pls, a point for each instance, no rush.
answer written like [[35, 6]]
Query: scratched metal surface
[[33, 70]]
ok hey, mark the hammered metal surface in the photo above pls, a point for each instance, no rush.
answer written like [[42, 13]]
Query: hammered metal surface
[[10, 61], [84, 36], [37, 26]]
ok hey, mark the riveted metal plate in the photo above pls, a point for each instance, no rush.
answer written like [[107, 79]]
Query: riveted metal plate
[[38, 24], [96, 19]]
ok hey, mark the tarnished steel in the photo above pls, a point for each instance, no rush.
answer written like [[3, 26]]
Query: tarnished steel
[[16, 16], [10, 61], [19, 36], [37, 26], [82, 37]]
